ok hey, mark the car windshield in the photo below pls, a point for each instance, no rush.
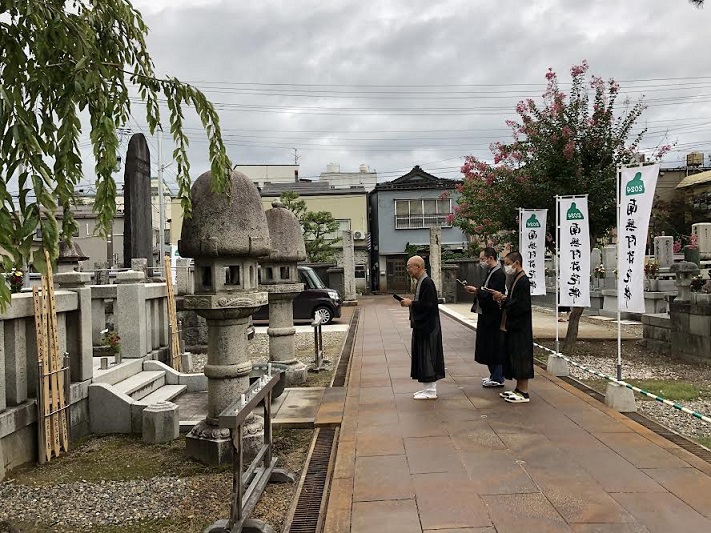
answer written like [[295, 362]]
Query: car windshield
[[311, 279]]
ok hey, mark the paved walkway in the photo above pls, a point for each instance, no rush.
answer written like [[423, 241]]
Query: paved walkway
[[471, 463]]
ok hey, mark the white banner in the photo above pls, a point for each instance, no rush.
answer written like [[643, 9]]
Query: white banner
[[636, 186], [574, 251], [532, 243]]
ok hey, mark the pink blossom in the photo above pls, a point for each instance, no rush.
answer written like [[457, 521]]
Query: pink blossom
[[569, 150], [450, 218], [444, 195], [550, 75], [577, 70], [478, 228]]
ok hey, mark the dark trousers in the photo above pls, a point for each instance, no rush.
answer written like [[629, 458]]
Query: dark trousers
[[497, 373]]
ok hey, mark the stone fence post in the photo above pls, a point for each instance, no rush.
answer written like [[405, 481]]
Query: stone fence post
[[130, 313], [79, 325]]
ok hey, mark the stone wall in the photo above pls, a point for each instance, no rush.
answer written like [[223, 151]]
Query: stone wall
[[691, 327], [656, 330]]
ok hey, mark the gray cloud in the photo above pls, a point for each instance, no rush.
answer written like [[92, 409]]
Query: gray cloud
[[343, 48]]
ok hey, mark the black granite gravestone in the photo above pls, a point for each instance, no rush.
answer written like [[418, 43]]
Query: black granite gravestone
[[138, 225]]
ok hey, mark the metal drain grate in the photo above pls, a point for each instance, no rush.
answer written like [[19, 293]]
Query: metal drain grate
[[339, 379], [681, 441], [310, 506]]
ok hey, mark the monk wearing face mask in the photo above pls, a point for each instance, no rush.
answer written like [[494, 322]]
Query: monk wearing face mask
[[517, 328]]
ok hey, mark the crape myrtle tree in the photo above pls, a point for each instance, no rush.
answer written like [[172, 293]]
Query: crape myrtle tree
[[318, 226], [63, 64], [569, 144]]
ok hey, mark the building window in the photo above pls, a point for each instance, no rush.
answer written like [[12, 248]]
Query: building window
[[344, 224], [423, 213]]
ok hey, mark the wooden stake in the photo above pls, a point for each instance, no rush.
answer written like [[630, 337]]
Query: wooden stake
[[177, 362], [56, 364], [41, 335]]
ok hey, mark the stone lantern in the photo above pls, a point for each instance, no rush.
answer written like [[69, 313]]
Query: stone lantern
[[280, 278], [226, 235]]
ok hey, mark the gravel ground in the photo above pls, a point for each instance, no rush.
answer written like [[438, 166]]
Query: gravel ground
[[76, 506]]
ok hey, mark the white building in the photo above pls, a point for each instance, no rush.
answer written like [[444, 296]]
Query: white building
[[345, 180]]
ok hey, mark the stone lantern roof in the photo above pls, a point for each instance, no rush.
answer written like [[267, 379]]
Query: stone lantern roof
[[228, 224], [285, 234]]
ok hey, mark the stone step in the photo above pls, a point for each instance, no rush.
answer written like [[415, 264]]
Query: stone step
[[165, 394], [142, 384], [116, 373]]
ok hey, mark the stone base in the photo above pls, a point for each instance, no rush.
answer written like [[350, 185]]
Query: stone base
[[186, 360], [209, 444], [296, 374], [620, 398], [557, 366], [349, 303], [213, 445], [250, 526]]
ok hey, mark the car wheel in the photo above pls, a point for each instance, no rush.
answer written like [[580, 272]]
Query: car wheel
[[324, 313]]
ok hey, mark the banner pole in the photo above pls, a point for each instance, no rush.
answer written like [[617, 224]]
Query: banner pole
[[557, 269], [619, 294]]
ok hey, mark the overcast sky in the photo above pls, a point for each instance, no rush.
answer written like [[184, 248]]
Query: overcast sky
[[394, 84]]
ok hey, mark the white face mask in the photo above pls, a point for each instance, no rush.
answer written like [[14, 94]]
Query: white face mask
[[509, 269], [483, 264]]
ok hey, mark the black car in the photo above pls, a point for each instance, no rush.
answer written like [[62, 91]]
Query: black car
[[316, 300]]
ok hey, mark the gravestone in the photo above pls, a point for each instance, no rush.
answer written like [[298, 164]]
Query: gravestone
[[137, 217], [664, 252], [595, 259], [702, 230], [609, 261]]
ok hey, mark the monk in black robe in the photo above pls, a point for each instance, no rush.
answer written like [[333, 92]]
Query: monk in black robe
[[426, 347], [489, 345], [517, 327]]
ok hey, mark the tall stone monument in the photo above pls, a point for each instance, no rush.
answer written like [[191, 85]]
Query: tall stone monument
[[137, 214], [280, 278], [436, 257], [349, 285], [226, 235]]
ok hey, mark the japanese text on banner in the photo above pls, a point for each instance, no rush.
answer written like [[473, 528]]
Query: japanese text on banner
[[574, 249], [637, 187], [532, 243]]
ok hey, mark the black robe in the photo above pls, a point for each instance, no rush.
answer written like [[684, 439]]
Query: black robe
[[518, 338], [489, 347], [426, 349]]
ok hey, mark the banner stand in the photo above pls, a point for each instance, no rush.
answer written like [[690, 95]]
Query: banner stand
[[557, 272], [619, 324]]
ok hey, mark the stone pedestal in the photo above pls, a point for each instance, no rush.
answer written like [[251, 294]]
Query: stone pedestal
[[227, 370], [620, 398], [161, 423], [131, 313], [79, 333], [557, 366], [281, 332]]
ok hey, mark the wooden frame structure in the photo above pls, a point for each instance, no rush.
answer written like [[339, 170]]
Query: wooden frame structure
[[176, 360]]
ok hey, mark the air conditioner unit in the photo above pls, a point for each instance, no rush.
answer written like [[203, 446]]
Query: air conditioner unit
[[358, 235]]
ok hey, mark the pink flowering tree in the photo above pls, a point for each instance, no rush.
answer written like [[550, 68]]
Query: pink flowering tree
[[566, 144]]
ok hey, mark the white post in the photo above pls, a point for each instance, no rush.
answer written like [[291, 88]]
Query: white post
[[556, 257], [161, 201], [619, 326]]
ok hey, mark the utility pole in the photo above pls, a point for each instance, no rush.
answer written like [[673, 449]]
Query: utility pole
[[161, 201]]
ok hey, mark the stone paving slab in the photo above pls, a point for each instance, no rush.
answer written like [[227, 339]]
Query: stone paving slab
[[470, 462], [545, 323]]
